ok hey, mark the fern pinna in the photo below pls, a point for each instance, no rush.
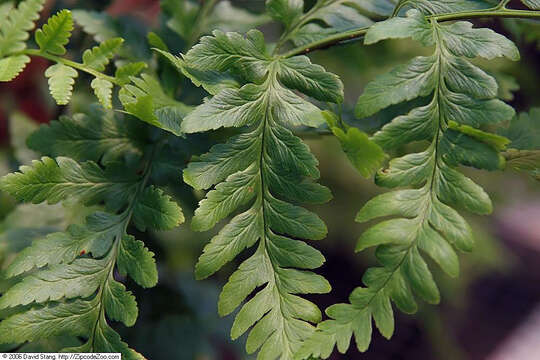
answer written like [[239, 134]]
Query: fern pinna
[[260, 95]]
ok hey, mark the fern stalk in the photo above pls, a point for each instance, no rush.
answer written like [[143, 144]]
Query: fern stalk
[[73, 64], [123, 225], [357, 34]]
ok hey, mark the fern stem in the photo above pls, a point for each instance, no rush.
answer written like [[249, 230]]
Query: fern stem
[[356, 34], [73, 64], [195, 34], [299, 23], [123, 225]]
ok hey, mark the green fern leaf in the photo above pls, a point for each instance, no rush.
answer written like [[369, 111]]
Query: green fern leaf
[[55, 180], [523, 134], [56, 33], [365, 155], [524, 160], [146, 100], [61, 80], [119, 303], [95, 237], [78, 279], [5, 9], [326, 17], [106, 339], [423, 223], [137, 261], [96, 135], [524, 131], [212, 81], [156, 211], [125, 72], [12, 66], [333, 17], [73, 318], [103, 90], [19, 21], [224, 52], [285, 11], [263, 170], [99, 56]]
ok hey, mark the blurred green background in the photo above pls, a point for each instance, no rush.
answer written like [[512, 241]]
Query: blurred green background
[[496, 294]]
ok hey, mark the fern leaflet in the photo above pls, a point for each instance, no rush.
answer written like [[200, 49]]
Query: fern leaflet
[[146, 100], [99, 56], [56, 33], [12, 66], [61, 81]]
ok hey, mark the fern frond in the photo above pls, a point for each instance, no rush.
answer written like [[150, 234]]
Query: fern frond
[[212, 81], [462, 101], [56, 33], [61, 80], [67, 284], [15, 28], [12, 66], [265, 170]]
